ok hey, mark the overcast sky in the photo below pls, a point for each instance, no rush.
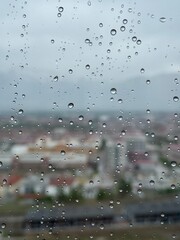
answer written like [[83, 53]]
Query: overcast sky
[[72, 40]]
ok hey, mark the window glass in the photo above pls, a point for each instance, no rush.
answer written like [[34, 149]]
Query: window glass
[[89, 119]]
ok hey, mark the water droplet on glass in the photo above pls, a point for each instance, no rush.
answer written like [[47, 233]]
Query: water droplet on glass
[[3, 225], [139, 42], [173, 163], [4, 181], [100, 24], [125, 21], [70, 71], [122, 28], [87, 66], [60, 9], [52, 41], [20, 111], [123, 132], [176, 138], [113, 32], [148, 82], [162, 19], [102, 226], [120, 100], [81, 117], [175, 98], [134, 38], [142, 70], [152, 182], [55, 78], [89, 3], [113, 91], [70, 105], [173, 186]]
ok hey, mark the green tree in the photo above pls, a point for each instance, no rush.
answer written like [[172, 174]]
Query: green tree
[[124, 187]]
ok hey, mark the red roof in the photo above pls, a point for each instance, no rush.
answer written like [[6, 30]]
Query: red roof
[[13, 179]]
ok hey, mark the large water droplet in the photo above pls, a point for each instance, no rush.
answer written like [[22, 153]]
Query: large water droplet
[[173, 163], [20, 111], [70, 105], [125, 21], [139, 42], [162, 19], [113, 91], [81, 117], [175, 98], [122, 28], [60, 9], [87, 66], [3, 225], [113, 32]]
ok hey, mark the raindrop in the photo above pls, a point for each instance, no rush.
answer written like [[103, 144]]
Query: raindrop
[[175, 138], [81, 117], [113, 91], [125, 21], [23, 95], [20, 111], [3, 225], [134, 39], [113, 32], [70, 105], [60, 120], [60, 9], [120, 118], [120, 100], [148, 82], [102, 226], [122, 28], [162, 19], [142, 70], [139, 42], [101, 25], [173, 163], [87, 41], [89, 3], [173, 186], [55, 78], [151, 182], [90, 122], [63, 152], [104, 125], [70, 71], [52, 41], [87, 66], [123, 132], [175, 99], [4, 181]]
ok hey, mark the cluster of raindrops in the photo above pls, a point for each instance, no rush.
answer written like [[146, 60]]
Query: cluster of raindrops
[[60, 11]]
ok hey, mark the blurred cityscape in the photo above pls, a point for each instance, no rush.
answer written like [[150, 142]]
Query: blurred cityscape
[[96, 170]]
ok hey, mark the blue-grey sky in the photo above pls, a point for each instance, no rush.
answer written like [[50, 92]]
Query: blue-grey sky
[[72, 40]]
